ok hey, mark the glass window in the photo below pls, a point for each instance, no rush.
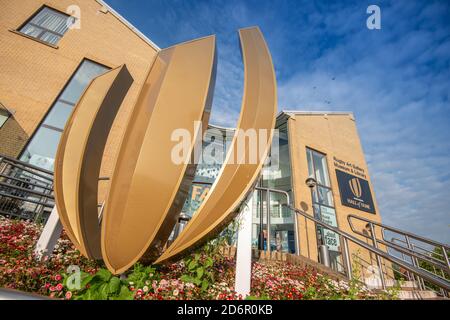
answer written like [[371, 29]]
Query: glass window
[[310, 162], [323, 206], [48, 25], [322, 195], [41, 150], [276, 174], [58, 115], [317, 167], [87, 71], [4, 116]]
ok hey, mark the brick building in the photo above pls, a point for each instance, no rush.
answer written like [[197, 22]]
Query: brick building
[[46, 63]]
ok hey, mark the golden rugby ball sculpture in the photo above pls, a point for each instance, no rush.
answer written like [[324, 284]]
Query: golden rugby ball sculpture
[[147, 189]]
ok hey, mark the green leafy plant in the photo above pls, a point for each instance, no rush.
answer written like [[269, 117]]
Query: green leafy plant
[[263, 297], [103, 286], [141, 275], [199, 271], [199, 266]]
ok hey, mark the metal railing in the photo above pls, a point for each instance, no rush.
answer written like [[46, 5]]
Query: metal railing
[[410, 248], [26, 191], [419, 273]]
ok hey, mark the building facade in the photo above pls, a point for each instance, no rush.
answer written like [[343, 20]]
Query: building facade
[[321, 145], [47, 58], [326, 147]]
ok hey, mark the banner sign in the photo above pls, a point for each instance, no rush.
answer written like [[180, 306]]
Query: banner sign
[[355, 192]]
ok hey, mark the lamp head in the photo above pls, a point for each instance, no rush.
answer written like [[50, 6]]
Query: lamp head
[[311, 182]]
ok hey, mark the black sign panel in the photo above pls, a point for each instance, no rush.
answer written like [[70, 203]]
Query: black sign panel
[[355, 192]]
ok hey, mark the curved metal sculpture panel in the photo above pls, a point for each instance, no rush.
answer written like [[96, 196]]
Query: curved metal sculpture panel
[[259, 107], [79, 156], [148, 188]]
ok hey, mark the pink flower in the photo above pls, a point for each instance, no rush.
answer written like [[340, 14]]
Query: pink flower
[[68, 295], [58, 277], [52, 289], [59, 287]]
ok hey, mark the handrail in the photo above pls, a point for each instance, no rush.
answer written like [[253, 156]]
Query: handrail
[[419, 272], [432, 278], [40, 203], [409, 234], [403, 250], [28, 182], [15, 161], [31, 170], [393, 270], [26, 191], [394, 239], [409, 250], [428, 253]]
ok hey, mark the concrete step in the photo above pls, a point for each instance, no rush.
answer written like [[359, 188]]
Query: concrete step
[[417, 295], [405, 285], [391, 283]]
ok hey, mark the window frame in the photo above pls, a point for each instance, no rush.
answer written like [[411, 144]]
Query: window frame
[[4, 113], [319, 185], [329, 188], [32, 16], [53, 103]]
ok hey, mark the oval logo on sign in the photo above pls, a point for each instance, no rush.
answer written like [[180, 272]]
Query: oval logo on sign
[[355, 186]]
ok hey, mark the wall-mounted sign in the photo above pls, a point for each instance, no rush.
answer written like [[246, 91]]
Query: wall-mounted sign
[[355, 192], [331, 239]]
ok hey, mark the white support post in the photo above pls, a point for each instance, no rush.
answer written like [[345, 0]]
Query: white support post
[[244, 250], [49, 236]]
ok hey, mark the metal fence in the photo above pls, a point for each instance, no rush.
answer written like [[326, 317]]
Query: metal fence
[[26, 191], [423, 253]]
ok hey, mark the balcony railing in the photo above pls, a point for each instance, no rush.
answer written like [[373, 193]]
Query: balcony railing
[[26, 191]]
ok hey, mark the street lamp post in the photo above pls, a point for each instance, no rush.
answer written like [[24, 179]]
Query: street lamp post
[[261, 222], [324, 254]]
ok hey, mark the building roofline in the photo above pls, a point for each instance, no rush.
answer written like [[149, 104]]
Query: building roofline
[[317, 113], [289, 113], [129, 25], [220, 127]]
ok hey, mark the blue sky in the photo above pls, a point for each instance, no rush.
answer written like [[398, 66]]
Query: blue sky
[[396, 81]]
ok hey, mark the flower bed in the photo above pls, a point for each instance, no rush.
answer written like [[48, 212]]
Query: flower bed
[[20, 270], [203, 275]]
